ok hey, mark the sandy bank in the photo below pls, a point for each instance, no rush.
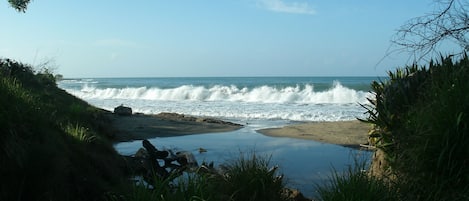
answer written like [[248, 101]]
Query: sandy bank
[[345, 133], [139, 126]]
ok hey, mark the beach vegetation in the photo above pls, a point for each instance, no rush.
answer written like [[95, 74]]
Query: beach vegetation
[[355, 184], [249, 177], [421, 116], [43, 155], [80, 133]]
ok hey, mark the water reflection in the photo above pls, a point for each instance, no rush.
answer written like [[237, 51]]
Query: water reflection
[[303, 162]]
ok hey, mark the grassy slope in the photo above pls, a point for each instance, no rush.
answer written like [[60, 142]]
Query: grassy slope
[[53, 146]]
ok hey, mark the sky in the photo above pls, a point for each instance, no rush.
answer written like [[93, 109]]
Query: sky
[[206, 38]]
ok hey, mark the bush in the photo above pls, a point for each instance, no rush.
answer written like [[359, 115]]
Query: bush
[[356, 185], [421, 123], [250, 178], [244, 179], [41, 159]]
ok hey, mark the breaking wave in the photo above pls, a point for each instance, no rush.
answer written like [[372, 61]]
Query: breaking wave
[[304, 94]]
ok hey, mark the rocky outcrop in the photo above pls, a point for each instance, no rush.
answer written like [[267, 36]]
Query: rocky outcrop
[[182, 117], [123, 110]]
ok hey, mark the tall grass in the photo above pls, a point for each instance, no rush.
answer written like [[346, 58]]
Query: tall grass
[[189, 187], [250, 178], [356, 185], [80, 133]]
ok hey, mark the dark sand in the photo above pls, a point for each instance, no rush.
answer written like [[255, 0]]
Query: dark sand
[[139, 126]]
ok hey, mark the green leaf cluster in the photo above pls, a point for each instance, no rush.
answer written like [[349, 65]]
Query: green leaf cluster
[[421, 117]]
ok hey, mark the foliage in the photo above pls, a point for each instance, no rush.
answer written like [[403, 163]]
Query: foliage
[[19, 5], [191, 187], [356, 185], [421, 123], [247, 178], [250, 178], [80, 133], [41, 159]]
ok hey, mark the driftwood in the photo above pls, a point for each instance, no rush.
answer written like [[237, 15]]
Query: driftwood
[[146, 163]]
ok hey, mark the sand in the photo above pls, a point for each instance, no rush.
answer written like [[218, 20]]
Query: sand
[[140, 127], [345, 133]]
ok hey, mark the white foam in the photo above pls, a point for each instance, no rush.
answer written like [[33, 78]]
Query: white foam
[[299, 103], [263, 94]]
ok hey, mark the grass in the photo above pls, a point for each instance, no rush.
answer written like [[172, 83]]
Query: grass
[[79, 133], [250, 178], [41, 159], [356, 185]]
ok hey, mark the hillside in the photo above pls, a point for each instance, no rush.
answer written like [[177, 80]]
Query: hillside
[[53, 146]]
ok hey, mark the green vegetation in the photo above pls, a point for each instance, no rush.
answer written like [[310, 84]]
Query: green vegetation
[[246, 178], [53, 146], [356, 184], [421, 124], [420, 118], [250, 178], [19, 5]]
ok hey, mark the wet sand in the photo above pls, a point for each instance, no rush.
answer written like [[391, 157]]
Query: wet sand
[[345, 133], [140, 126]]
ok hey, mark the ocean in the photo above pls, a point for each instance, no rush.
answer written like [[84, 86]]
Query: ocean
[[240, 99], [256, 102]]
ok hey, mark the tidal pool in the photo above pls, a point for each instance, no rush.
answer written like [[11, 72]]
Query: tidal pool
[[304, 163]]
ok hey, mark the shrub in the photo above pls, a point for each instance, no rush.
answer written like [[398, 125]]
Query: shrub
[[421, 123], [40, 159], [355, 185], [250, 178]]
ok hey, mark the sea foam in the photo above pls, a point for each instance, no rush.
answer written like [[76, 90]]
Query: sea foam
[[305, 94], [300, 102]]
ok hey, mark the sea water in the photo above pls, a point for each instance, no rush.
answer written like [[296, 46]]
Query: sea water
[[255, 102]]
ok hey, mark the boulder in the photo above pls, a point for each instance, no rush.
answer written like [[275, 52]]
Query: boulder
[[123, 110]]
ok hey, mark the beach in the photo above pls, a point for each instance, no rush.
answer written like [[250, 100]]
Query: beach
[[344, 133], [140, 126]]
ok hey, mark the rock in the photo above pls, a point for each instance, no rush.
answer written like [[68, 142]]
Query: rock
[[182, 117], [202, 150], [123, 110], [293, 195]]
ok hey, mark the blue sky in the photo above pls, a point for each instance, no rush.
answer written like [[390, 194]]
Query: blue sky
[[173, 38]]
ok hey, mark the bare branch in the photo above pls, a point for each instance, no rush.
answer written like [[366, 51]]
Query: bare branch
[[422, 36]]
